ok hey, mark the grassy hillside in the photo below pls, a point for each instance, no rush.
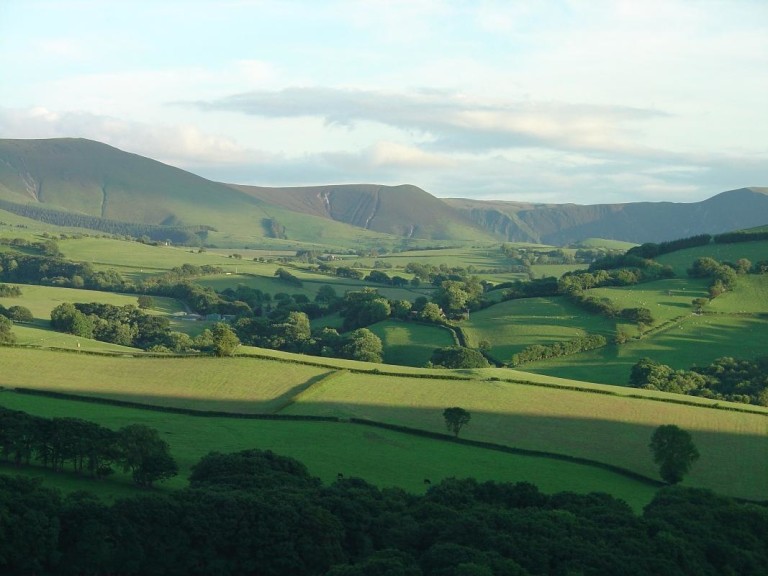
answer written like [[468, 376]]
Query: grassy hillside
[[383, 457], [612, 428]]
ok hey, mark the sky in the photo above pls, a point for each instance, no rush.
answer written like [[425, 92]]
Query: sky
[[564, 101]]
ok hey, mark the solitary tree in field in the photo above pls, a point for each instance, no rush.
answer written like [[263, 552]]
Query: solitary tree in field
[[455, 419], [145, 302], [674, 452], [225, 341]]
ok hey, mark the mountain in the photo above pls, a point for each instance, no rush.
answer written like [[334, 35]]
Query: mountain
[[88, 184], [406, 211], [638, 222]]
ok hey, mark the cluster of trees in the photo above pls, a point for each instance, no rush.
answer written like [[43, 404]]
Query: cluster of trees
[[723, 275], [606, 307], [274, 229], [188, 235], [88, 447], [124, 325], [254, 512], [542, 352], [726, 378], [293, 333], [8, 291], [618, 271], [53, 271], [129, 326], [47, 247], [458, 357]]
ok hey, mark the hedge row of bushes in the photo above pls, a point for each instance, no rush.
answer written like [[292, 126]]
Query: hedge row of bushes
[[558, 349]]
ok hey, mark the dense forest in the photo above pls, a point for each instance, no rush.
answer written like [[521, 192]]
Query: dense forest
[[255, 512]]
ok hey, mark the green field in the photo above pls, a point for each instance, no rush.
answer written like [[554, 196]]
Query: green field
[[611, 428], [42, 299], [694, 340], [512, 325], [383, 457], [683, 259], [410, 344]]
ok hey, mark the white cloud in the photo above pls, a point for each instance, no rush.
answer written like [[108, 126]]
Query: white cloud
[[181, 145]]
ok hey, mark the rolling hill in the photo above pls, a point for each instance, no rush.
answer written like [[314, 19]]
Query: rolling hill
[[103, 185]]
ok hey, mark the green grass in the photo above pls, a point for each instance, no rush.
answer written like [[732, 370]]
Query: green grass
[[693, 340], [683, 259], [666, 299], [608, 428], [383, 457], [749, 297], [410, 344], [512, 325], [612, 429], [201, 383], [42, 299]]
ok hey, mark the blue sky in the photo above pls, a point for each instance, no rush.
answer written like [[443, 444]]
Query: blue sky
[[580, 101]]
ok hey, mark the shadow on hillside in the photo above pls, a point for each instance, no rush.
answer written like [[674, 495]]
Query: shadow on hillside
[[735, 464]]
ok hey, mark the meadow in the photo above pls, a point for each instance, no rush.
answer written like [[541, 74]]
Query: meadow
[[573, 419], [512, 325], [681, 260], [383, 457], [410, 344]]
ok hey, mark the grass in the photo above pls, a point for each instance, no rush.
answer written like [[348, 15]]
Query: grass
[[749, 297], [42, 299], [683, 259], [609, 428], [385, 458], [695, 340], [612, 429], [410, 344], [512, 325]]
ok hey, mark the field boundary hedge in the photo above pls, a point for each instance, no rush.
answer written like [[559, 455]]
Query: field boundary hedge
[[170, 409], [510, 449], [455, 377], [359, 421]]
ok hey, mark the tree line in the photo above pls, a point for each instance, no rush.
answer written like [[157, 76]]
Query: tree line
[[187, 235], [557, 349], [254, 512], [727, 378], [88, 447]]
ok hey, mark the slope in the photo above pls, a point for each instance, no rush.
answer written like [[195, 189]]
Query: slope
[[406, 211], [638, 222]]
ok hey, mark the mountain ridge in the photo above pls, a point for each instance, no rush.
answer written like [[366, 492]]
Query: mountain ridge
[[91, 178]]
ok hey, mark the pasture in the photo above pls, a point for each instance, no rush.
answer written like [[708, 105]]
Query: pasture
[[382, 457], [608, 428], [408, 343], [512, 325], [683, 259], [691, 340], [611, 428]]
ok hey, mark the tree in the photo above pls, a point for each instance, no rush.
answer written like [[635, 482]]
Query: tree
[[459, 357], [145, 302], [674, 452], [145, 454], [20, 314], [455, 419], [6, 336], [225, 341], [363, 345]]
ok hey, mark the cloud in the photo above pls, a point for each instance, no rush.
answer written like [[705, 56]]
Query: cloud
[[180, 144], [451, 121]]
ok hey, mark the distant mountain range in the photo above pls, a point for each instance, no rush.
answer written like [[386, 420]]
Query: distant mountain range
[[99, 183]]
